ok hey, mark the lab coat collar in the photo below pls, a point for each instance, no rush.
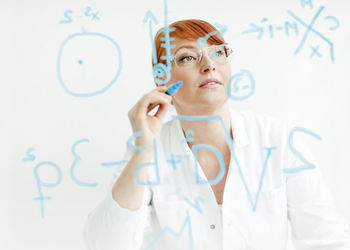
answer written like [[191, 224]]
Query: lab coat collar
[[239, 130], [180, 147], [178, 143]]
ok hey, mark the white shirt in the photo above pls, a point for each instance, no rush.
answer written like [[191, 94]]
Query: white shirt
[[170, 218]]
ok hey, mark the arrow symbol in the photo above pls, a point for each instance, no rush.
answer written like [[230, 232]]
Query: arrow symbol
[[150, 18], [221, 28], [255, 28]]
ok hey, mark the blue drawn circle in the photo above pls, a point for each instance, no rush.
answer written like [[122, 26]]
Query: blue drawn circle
[[92, 93], [235, 80], [159, 71]]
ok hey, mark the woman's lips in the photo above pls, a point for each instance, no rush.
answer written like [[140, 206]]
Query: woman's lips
[[210, 83]]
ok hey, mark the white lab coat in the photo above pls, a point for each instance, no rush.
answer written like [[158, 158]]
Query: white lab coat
[[179, 213]]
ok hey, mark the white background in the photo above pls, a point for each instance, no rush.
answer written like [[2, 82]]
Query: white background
[[36, 111]]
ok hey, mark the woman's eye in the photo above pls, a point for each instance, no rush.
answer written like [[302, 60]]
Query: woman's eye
[[217, 53], [221, 53], [187, 59]]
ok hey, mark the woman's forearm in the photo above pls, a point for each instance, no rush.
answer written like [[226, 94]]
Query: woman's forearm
[[126, 192]]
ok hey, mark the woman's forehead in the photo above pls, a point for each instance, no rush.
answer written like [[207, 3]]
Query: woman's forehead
[[184, 42], [179, 43]]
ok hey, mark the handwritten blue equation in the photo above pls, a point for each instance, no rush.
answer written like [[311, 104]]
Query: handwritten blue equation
[[259, 29], [306, 165], [40, 184], [88, 63], [88, 13], [161, 71], [174, 162], [241, 86]]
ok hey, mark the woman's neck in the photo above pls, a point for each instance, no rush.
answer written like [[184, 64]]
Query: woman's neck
[[210, 132]]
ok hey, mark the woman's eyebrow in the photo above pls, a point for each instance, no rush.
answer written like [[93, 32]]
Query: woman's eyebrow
[[185, 46]]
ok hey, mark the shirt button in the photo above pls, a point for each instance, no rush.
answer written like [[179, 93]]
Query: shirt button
[[212, 226]]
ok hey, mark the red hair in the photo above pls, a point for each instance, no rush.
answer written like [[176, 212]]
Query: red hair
[[190, 29]]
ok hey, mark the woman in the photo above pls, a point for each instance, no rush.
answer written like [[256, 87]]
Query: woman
[[211, 178]]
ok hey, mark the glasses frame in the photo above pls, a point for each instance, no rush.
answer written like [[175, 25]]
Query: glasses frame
[[228, 52]]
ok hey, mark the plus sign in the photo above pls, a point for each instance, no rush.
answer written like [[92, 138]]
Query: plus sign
[[173, 161]]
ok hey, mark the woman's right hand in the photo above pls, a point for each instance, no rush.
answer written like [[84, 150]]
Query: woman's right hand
[[150, 126]]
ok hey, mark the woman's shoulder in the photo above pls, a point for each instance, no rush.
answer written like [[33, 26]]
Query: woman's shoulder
[[266, 121], [259, 125], [251, 116]]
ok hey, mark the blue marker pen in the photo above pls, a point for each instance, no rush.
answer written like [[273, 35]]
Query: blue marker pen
[[172, 89]]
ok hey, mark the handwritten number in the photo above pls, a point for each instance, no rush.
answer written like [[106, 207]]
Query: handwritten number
[[306, 164]]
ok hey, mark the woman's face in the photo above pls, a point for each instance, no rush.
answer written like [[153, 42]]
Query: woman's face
[[203, 87]]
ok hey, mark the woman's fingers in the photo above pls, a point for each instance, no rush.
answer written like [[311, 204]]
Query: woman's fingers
[[162, 110], [138, 115], [154, 97]]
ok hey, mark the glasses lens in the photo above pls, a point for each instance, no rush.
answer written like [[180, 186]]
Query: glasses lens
[[187, 57], [218, 53]]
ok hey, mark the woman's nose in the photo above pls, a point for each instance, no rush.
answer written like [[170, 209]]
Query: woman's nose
[[207, 64]]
